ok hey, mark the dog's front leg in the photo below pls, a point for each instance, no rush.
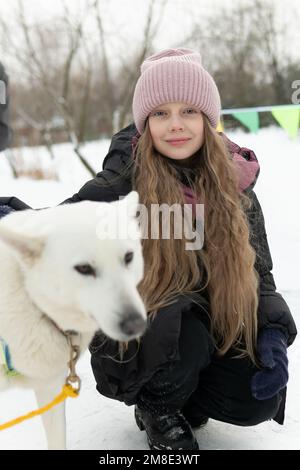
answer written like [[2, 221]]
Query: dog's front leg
[[54, 420]]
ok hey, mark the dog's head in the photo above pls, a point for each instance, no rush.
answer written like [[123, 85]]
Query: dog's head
[[82, 263]]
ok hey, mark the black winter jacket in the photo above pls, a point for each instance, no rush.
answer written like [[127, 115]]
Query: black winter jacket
[[122, 380], [5, 132]]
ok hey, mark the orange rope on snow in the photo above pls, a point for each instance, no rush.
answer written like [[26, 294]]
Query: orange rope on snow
[[67, 391]]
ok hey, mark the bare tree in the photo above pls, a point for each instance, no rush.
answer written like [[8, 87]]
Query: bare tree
[[117, 93], [61, 78], [243, 51], [39, 58], [274, 46]]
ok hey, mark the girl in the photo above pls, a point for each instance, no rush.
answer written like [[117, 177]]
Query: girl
[[218, 330]]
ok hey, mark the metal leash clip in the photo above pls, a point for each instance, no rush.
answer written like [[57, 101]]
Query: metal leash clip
[[73, 378]]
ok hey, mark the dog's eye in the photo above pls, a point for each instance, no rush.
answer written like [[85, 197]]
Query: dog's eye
[[128, 257], [85, 269]]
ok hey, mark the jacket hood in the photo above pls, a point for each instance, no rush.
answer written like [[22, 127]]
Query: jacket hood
[[246, 162]]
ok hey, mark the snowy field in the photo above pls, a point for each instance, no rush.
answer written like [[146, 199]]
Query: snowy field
[[94, 422]]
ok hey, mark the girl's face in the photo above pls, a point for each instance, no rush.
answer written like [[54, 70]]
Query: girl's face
[[176, 130]]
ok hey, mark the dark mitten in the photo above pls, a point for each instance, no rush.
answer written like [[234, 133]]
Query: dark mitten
[[272, 352]]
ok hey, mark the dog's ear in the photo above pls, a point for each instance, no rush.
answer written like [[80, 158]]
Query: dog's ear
[[132, 202], [27, 247], [15, 232]]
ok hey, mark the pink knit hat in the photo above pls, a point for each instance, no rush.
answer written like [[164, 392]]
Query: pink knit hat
[[175, 75]]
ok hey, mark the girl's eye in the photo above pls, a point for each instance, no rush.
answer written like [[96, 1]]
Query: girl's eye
[[158, 113], [164, 113]]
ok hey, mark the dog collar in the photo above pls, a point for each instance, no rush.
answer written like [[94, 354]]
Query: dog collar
[[5, 359], [64, 332]]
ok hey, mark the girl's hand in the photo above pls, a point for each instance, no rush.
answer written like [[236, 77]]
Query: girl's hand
[[272, 351]]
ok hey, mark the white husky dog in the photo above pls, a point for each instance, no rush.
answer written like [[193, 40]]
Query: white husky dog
[[61, 269]]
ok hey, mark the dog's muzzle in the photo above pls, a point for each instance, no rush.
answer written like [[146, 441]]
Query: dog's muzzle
[[133, 324]]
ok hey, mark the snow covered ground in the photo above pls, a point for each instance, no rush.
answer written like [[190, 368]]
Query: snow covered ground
[[94, 422]]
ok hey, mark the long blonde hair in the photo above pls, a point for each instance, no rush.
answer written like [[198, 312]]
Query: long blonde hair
[[225, 264]]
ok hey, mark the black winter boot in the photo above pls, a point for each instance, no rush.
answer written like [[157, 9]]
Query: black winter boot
[[166, 432]]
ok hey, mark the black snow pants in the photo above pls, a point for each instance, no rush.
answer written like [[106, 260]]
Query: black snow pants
[[201, 383]]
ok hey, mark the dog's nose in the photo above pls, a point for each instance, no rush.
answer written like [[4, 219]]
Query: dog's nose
[[133, 324]]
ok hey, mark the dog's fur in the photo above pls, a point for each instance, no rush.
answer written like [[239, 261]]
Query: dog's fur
[[42, 294]]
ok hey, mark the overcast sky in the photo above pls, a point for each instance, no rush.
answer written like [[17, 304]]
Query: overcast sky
[[130, 14], [127, 17]]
